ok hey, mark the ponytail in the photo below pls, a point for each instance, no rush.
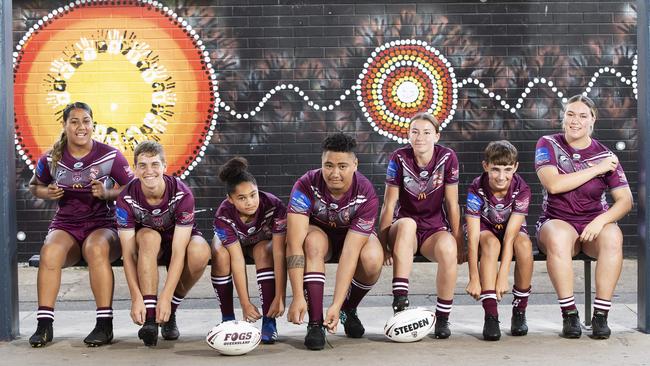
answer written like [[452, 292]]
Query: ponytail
[[57, 152]]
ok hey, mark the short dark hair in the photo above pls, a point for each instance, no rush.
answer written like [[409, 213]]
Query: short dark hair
[[501, 152], [339, 142], [76, 105], [234, 172], [148, 147]]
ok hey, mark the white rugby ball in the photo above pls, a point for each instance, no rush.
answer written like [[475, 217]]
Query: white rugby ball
[[234, 338], [409, 325]]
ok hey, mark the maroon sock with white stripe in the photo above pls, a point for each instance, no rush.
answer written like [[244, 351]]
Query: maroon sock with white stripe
[[443, 308], [489, 301], [150, 302], [176, 302], [223, 289], [567, 304], [520, 298], [602, 306], [45, 314], [314, 283], [266, 286], [356, 292], [400, 286]]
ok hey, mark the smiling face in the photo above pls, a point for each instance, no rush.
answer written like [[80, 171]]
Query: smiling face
[[499, 176], [78, 128], [422, 136], [338, 170], [150, 169], [245, 198], [578, 121]]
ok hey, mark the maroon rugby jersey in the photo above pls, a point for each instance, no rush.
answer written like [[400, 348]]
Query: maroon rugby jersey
[[584, 203], [176, 207], [270, 219], [495, 212], [422, 190], [103, 163], [356, 210]]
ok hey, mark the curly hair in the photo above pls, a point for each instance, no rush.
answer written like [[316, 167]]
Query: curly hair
[[234, 172], [339, 142]]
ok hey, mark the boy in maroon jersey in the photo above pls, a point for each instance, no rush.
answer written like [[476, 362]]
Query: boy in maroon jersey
[[331, 215], [155, 216], [421, 214], [80, 173], [254, 223], [576, 170], [497, 205]]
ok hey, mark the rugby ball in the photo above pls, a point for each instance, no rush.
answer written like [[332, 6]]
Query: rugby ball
[[409, 325], [233, 338]]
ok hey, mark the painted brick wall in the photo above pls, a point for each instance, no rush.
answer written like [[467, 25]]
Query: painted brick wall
[[321, 47]]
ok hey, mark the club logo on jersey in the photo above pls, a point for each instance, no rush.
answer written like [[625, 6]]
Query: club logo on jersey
[[157, 222], [391, 172], [78, 165], [474, 202], [251, 230], [299, 202], [155, 212], [186, 217], [576, 156], [334, 206], [542, 155], [424, 174], [122, 216], [76, 177], [499, 206]]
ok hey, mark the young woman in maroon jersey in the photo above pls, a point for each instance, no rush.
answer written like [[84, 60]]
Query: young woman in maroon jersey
[[421, 214], [253, 223], [576, 170], [80, 173]]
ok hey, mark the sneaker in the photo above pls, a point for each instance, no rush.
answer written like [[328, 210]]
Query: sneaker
[[442, 328], [518, 326], [149, 333], [315, 338], [491, 330], [400, 302], [599, 327], [42, 336], [169, 330], [269, 330], [571, 325], [101, 335], [351, 323]]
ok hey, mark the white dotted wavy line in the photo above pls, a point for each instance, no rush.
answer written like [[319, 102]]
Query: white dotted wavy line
[[602, 71]]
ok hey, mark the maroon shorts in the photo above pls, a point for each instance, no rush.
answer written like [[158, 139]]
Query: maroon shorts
[[578, 226], [81, 230], [500, 233], [165, 253]]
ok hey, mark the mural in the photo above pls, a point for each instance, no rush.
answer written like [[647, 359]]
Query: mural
[[211, 80]]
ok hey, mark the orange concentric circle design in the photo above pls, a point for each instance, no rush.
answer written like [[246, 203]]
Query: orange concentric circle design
[[403, 78], [142, 69]]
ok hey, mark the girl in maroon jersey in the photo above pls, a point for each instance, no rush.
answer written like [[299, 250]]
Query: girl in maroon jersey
[[576, 170], [79, 173], [254, 223], [420, 214]]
